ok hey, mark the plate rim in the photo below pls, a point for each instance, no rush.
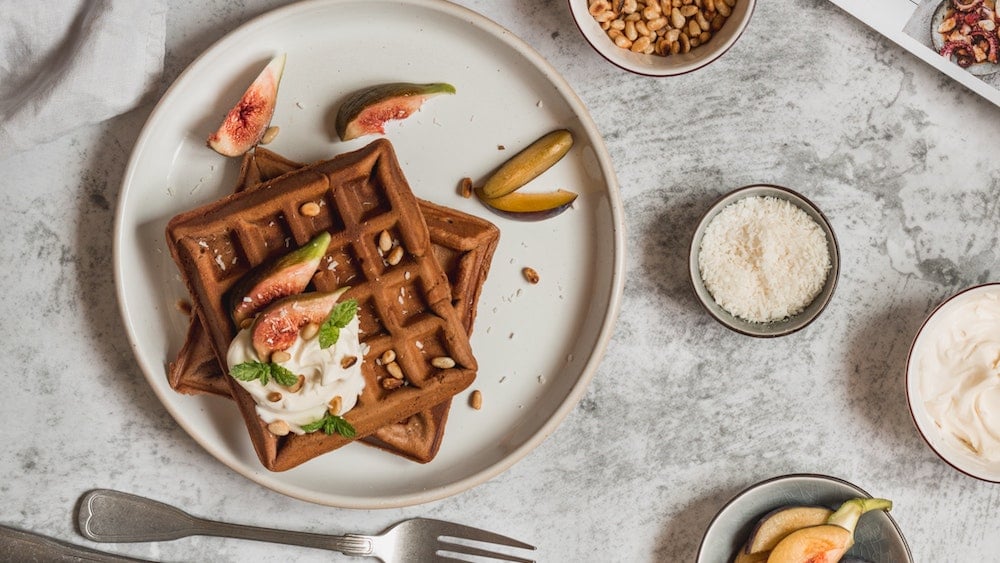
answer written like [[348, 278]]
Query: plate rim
[[612, 298]]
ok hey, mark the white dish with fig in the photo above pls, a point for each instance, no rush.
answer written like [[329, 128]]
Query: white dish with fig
[[506, 96]]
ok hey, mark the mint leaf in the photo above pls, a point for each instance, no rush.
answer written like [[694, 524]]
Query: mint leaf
[[252, 371], [283, 375], [314, 425], [331, 424], [340, 316]]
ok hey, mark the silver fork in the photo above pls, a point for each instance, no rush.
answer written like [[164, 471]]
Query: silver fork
[[114, 517]]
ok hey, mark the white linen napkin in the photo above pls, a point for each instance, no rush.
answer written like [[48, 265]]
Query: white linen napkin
[[69, 63]]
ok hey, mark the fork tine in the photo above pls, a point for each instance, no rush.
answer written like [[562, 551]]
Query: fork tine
[[459, 531], [470, 550]]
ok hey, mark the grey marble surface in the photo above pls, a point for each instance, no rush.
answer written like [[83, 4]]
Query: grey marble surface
[[683, 414]]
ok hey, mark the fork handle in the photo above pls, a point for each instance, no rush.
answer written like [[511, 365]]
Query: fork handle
[[113, 516], [348, 544]]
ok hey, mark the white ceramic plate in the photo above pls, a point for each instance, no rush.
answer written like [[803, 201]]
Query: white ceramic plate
[[877, 537], [537, 345]]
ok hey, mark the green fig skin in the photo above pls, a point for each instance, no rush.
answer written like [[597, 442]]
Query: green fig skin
[[270, 281], [528, 164], [366, 111]]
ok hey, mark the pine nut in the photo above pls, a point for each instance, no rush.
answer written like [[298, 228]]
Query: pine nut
[[274, 396], [279, 428], [476, 399], [657, 24], [384, 241], [723, 8], [298, 384], [443, 362], [530, 274], [348, 361], [623, 42], [677, 18], [269, 134], [280, 357], [688, 11], [465, 187], [395, 256], [309, 331], [630, 31], [335, 405], [599, 7], [394, 370], [391, 383], [309, 209], [702, 22], [388, 356], [641, 29], [640, 44]]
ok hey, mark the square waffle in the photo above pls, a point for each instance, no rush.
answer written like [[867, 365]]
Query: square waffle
[[462, 243], [405, 307]]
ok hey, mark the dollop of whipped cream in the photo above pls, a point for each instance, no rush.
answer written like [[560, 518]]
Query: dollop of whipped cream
[[325, 377], [959, 372]]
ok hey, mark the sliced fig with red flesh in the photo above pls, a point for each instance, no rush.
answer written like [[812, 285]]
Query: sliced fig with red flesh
[[273, 280], [246, 123], [366, 111], [277, 326]]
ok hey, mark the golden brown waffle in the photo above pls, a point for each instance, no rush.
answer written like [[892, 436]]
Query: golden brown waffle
[[406, 307], [464, 246]]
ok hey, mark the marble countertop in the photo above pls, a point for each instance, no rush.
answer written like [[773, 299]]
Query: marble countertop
[[682, 414]]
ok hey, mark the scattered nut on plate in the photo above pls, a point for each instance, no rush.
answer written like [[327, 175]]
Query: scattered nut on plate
[[660, 27]]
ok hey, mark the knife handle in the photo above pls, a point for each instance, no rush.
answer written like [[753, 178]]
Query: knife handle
[[29, 546]]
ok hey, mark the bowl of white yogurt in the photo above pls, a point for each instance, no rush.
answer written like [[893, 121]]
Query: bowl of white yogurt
[[953, 381]]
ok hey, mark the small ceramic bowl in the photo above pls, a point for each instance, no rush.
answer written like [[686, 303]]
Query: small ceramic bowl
[[877, 537], [947, 447], [657, 65], [774, 328]]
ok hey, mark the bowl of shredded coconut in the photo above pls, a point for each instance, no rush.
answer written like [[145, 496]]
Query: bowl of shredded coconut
[[764, 261]]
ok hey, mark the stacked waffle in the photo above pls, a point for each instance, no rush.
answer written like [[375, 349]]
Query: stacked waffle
[[421, 307]]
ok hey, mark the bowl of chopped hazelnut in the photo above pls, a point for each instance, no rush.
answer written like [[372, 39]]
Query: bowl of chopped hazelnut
[[661, 37]]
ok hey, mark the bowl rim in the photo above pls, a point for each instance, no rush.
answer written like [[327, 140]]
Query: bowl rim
[[665, 73], [826, 296], [747, 490], [914, 395]]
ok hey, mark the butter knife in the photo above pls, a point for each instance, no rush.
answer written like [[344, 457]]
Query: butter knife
[[29, 546]]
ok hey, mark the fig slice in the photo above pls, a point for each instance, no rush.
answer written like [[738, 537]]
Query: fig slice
[[270, 281], [277, 326], [775, 525], [366, 111], [828, 542], [526, 206], [528, 164], [246, 123]]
